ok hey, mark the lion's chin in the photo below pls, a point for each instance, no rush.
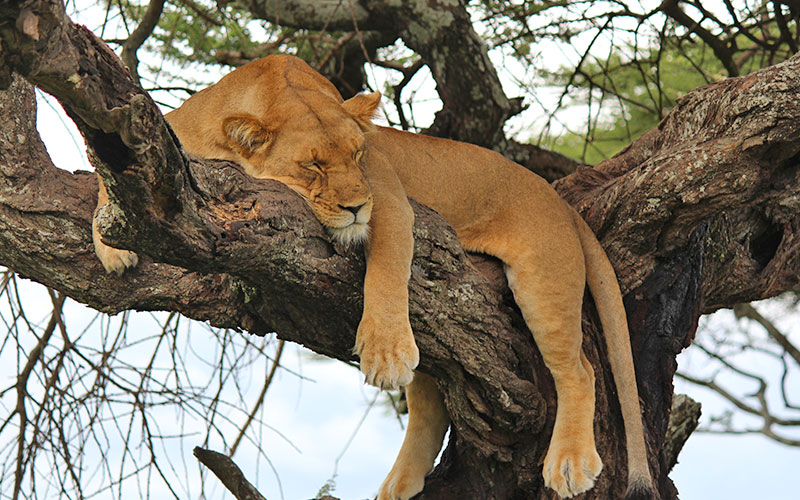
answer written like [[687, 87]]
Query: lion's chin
[[354, 234]]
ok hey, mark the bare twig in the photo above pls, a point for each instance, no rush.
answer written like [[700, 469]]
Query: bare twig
[[736, 355], [748, 311], [260, 400], [22, 390], [139, 35], [200, 11], [723, 53], [408, 74], [228, 473]]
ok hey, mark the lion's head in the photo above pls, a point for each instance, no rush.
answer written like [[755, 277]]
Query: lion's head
[[316, 147], [281, 120]]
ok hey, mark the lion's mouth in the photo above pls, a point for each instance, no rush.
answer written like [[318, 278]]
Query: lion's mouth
[[348, 225], [352, 234]]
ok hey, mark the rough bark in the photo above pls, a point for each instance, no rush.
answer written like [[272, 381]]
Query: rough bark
[[700, 213], [683, 420]]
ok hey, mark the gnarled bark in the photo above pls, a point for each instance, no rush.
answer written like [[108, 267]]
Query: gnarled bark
[[715, 186]]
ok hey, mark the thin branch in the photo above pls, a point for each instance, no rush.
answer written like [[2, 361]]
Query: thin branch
[[260, 400], [341, 42], [200, 11], [408, 74], [723, 53], [139, 35], [22, 390], [748, 311], [763, 413], [786, 36]]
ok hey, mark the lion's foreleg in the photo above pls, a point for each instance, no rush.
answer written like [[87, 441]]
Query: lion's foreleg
[[427, 424], [384, 340]]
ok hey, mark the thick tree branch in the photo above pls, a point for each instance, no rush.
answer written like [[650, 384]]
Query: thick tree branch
[[337, 15], [285, 276]]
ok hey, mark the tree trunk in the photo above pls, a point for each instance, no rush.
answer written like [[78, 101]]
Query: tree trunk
[[698, 214]]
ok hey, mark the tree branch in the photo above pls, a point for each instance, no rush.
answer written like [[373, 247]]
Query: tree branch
[[139, 35], [723, 156], [748, 311], [723, 53], [228, 473], [683, 419], [338, 15]]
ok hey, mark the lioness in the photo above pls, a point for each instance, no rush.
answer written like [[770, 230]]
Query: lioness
[[281, 120]]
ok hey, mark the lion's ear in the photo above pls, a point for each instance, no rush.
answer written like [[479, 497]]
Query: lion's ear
[[363, 109], [246, 134]]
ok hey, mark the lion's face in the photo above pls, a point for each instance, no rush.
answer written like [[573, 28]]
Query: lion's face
[[316, 146]]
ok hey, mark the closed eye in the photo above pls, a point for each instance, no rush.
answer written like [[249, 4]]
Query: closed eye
[[313, 166]]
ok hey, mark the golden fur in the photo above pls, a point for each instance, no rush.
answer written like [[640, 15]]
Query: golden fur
[[282, 120]]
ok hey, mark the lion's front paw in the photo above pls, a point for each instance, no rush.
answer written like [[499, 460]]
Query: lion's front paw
[[571, 469], [401, 484], [388, 352]]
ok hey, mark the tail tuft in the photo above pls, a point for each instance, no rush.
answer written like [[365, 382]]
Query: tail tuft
[[640, 489]]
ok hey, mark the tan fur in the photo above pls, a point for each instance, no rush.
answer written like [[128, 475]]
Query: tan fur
[[281, 120]]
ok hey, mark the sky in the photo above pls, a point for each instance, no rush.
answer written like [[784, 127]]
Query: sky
[[329, 414]]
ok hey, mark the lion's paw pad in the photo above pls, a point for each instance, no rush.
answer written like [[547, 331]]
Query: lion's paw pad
[[571, 472]]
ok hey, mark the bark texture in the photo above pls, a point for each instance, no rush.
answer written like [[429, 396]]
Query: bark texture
[[698, 214]]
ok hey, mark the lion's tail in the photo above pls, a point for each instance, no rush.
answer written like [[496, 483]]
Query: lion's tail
[[603, 284]]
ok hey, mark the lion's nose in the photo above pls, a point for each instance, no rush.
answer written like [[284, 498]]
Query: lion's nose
[[354, 209]]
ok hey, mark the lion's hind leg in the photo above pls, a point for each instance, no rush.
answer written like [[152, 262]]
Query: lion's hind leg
[[549, 294], [427, 424]]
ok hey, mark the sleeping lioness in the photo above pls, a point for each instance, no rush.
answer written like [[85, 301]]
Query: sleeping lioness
[[281, 120]]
